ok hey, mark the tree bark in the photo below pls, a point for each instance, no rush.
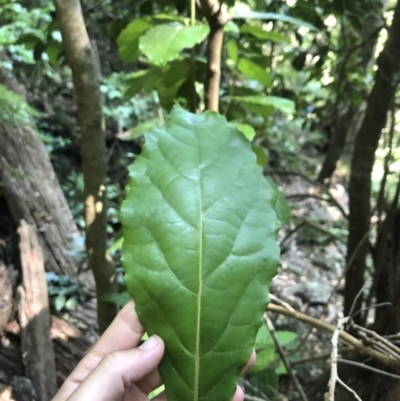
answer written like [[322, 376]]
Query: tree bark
[[362, 163], [342, 124], [216, 19], [34, 316], [86, 77], [32, 190]]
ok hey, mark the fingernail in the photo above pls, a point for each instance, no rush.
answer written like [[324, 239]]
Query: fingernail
[[149, 344]]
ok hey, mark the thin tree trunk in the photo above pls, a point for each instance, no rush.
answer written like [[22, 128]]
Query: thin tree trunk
[[86, 77], [32, 190], [366, 144], [342, 125], [216, 20]]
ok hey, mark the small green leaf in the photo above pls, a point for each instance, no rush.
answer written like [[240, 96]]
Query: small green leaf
[[233, 50], [59, 302], [262, 34], [116, 246], [71, 303], [265, 359], [53, 51], [142, 80], [199, 251], [120, 299], [164, 43], [138, 131], [246, 129], [279, 103], [253, 71], [282, 207], [262, 155], [274, 17], [264, 338], [128, 40], [231, 27]]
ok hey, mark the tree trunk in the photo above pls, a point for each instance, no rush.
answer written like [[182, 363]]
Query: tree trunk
[[86, 77], [342, 125], [366, 144], [34, 317], [32, 190], [216, 19]]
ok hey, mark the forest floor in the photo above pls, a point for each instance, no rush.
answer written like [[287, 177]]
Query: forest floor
[[309, 279]]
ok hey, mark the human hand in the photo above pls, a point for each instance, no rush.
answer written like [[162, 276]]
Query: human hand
[[117, 370]]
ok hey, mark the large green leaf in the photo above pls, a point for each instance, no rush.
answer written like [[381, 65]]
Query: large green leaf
[[254, 71], [163, 43], [128, 40], [199, 251]]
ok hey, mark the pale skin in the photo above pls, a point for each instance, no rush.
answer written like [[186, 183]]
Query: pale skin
[[116, 369]]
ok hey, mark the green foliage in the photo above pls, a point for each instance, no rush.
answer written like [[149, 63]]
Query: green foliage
[[200, 255], [164, 43], [14, 108], [282, 208], [253, 71], [63, 292], [29, 35]]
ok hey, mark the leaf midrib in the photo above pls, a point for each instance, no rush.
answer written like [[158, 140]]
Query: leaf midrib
[[200, 288]]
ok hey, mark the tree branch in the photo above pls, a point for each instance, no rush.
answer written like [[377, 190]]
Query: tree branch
[[217, 18]]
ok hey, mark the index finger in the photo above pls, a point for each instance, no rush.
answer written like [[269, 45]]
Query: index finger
[[124, 333]]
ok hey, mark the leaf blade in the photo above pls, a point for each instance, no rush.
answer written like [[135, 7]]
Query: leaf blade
[[199, 258]]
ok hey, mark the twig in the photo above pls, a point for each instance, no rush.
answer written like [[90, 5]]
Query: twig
[[346, 337], [317, 357], [349, 389], [262, 395], [286, 362], [367, 367], [322, 199], [334, 360], [334, 356], [379, 338], [356, 299], [252, 398], [322, 230], [280, 301], [291, 232]]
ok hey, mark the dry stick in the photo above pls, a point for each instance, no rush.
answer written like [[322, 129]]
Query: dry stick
[[262, 395], [322, 230], [367, 367], [346, 337], [356, 299], [378, 346], [381, 339], [334, 356], [252, 398], [281, 353], [331, 199], [318, 357]]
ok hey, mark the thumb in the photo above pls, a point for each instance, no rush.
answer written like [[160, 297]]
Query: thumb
[[117, 371]]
